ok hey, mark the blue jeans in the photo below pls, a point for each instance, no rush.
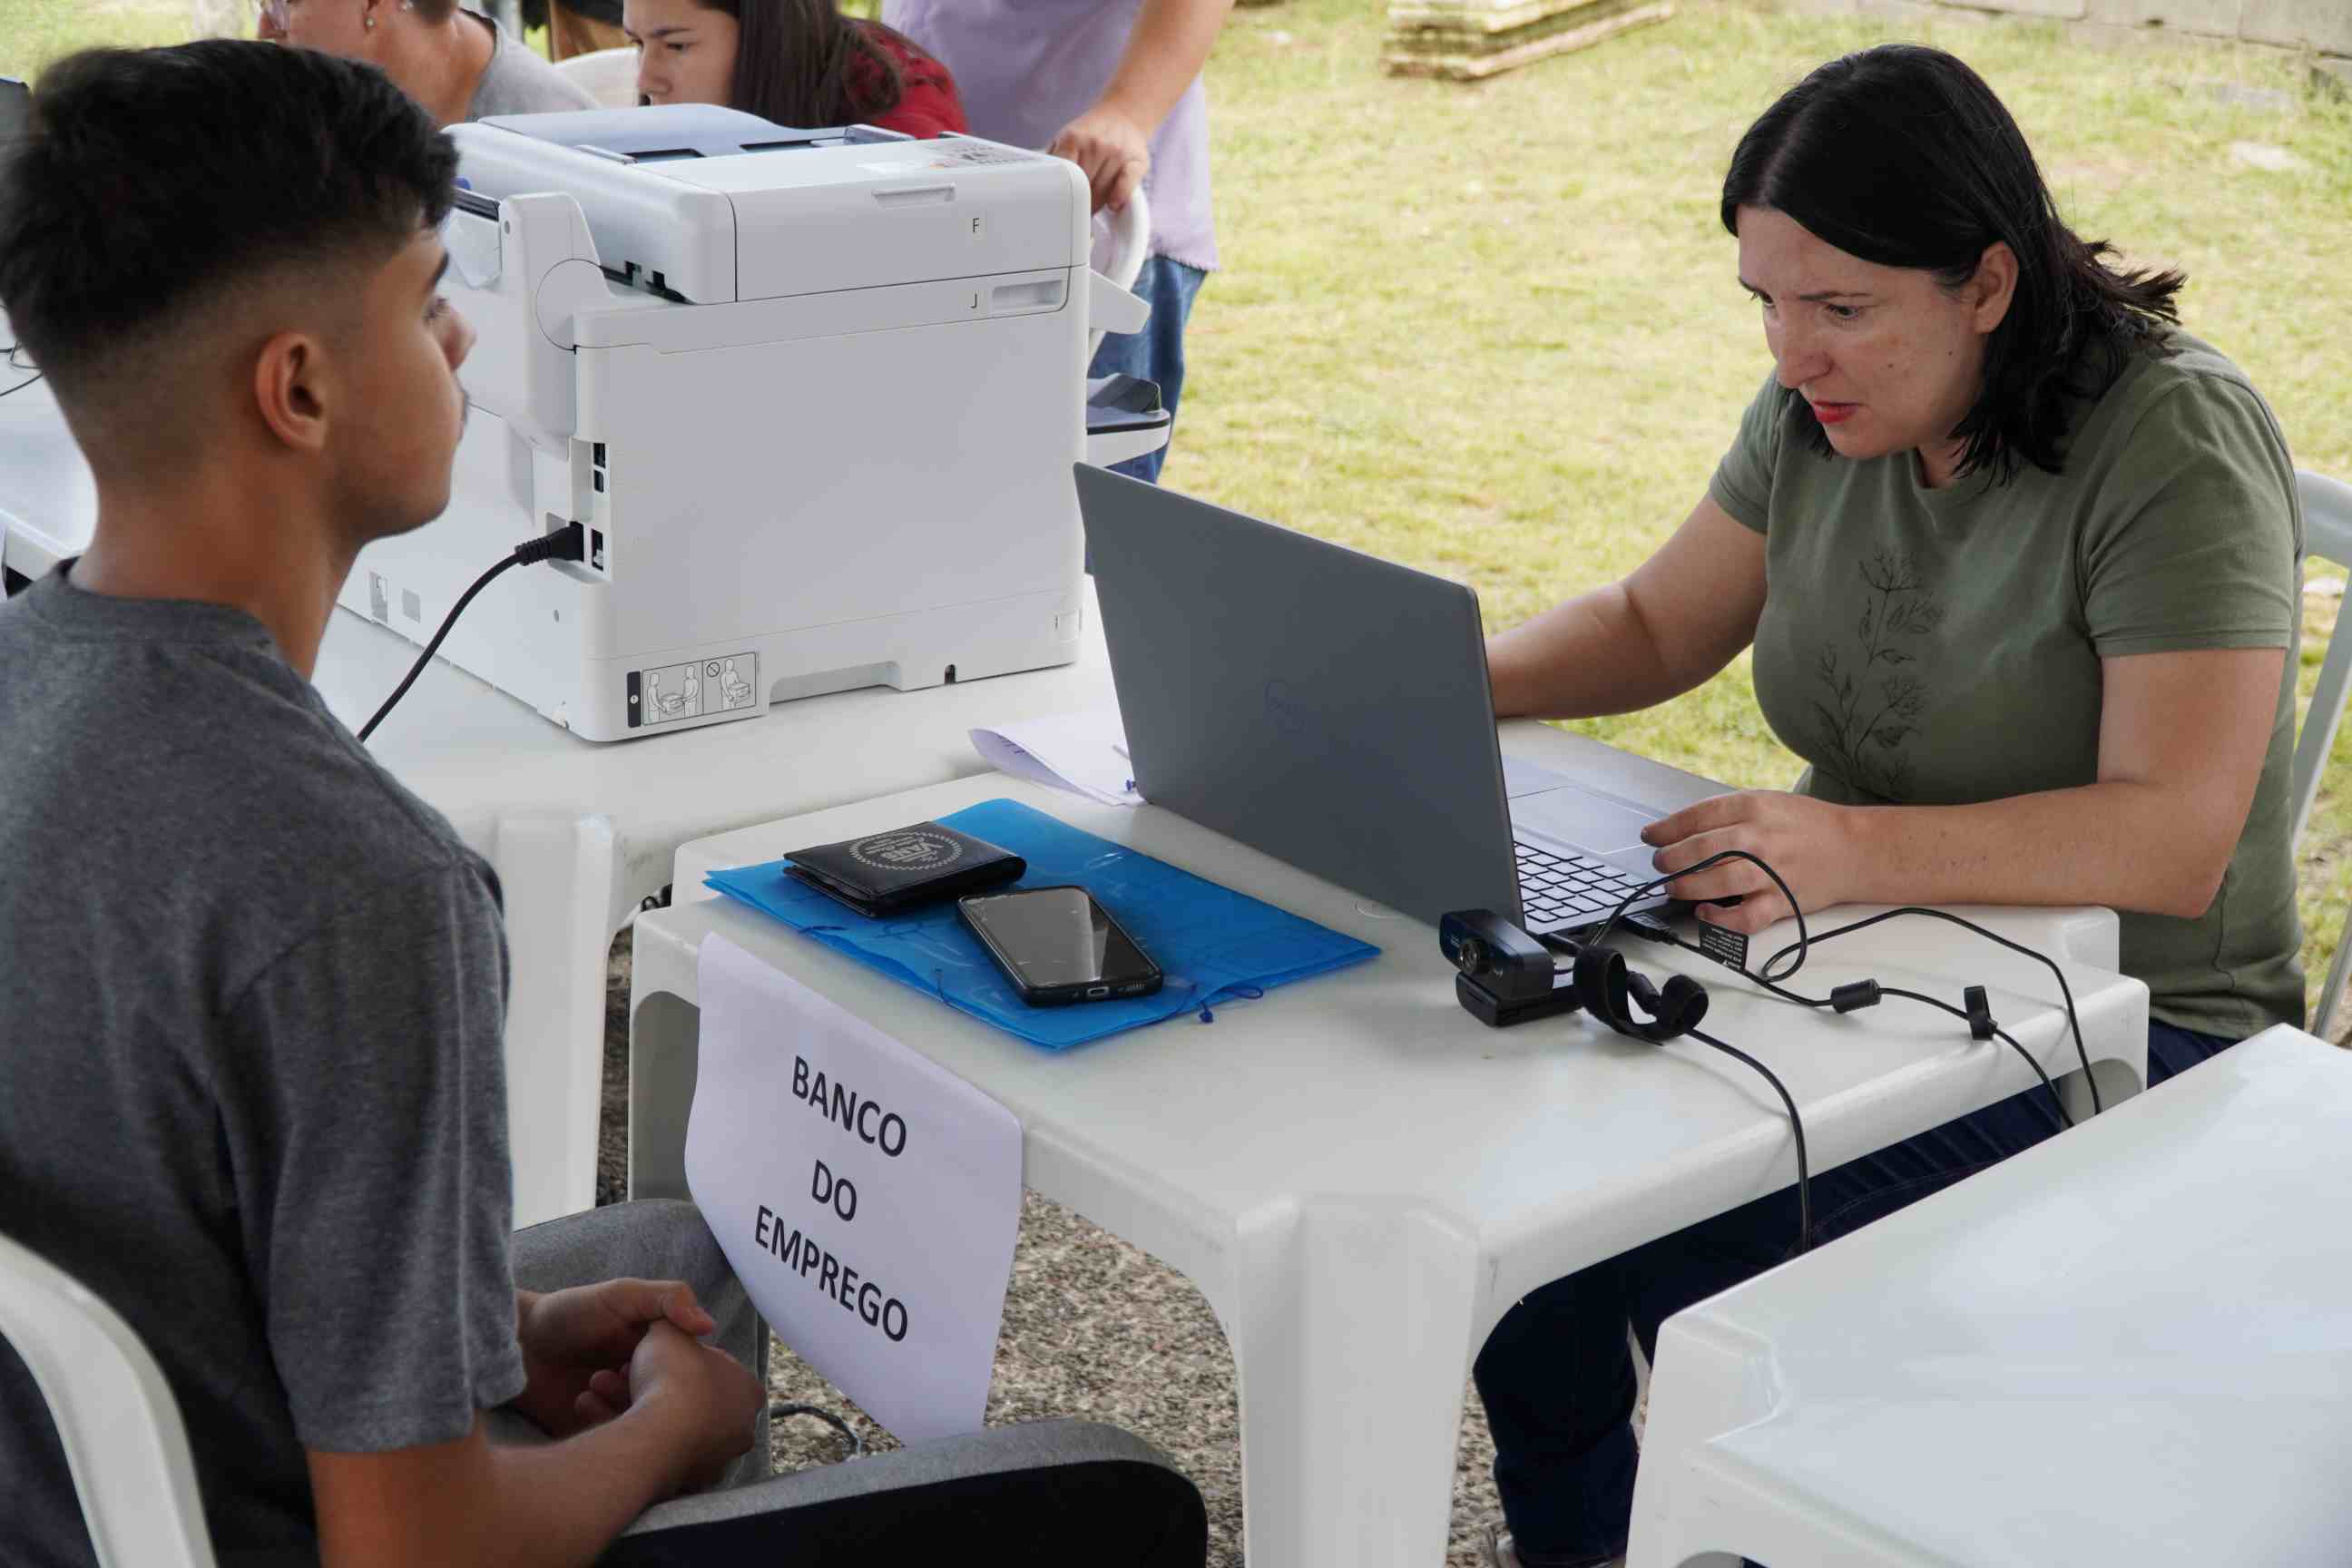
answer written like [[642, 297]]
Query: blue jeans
[[1557, 1381], [1156, 352]]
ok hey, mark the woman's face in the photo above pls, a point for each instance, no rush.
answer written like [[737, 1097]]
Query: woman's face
[[332, 27], [1889, 359], [686, 54]]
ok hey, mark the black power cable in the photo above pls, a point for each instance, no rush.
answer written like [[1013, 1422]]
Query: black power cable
[[9, 353], [566, 543], [1848, 998], [1669, 1021], [1796, 1127], [2073, 1022]]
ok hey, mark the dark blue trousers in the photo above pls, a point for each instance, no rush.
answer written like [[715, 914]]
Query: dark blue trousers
[[1555, 1375]]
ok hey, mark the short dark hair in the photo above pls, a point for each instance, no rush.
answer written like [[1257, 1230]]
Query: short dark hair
[[149, 182], [1902, 156], [802, 63]]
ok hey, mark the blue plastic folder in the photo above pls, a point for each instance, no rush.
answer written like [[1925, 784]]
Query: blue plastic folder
[[1213, 943]]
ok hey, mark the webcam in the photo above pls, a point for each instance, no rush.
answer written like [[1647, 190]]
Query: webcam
[[1503, 975]]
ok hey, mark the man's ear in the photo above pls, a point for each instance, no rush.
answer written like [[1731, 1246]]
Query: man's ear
[[290, 389], [1994, 287]]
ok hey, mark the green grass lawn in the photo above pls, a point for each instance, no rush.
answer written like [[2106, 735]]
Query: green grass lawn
[[1492, 330]]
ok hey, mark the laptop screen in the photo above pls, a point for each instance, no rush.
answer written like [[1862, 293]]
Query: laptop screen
[[1325, 706], [15, 110]]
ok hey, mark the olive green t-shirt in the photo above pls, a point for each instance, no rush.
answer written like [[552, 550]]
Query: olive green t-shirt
[[1943, 646]]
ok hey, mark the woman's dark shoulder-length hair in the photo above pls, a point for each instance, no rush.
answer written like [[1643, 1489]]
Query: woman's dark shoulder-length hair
[[1902, 155], [802, 63]]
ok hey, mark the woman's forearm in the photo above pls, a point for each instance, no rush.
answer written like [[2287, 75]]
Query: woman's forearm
[[1589, 656], [2128, 846]]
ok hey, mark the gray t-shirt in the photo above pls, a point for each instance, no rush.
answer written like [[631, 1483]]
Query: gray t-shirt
[[518, 81], [252, 1090], [1944, 646]]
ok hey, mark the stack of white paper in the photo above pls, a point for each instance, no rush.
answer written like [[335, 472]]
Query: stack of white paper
[[1085, 753]]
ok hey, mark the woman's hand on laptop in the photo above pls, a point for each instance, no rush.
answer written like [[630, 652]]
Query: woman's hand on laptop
[[1808, 842]]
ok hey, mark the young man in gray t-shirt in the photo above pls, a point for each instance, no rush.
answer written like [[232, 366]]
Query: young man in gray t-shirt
[[251, 1084], [254, 1090]]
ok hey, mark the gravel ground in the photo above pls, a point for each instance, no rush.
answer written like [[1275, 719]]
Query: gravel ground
[[1093, 1328]]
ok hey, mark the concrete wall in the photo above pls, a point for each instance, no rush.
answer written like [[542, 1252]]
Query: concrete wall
[[2322, 27]]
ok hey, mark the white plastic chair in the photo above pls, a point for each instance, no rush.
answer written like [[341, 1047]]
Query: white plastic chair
[[2327, 534], [609, 75], [123, 1439]]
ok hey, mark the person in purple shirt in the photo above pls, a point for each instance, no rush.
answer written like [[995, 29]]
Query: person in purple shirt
[[1115, 87]]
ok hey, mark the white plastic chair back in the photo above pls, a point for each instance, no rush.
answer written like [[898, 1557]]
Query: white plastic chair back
[[2326, 534], [609, 75], [1122, 244], [123, 1439]]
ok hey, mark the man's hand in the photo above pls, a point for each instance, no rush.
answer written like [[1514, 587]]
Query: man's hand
[[690, 1412], [1808, 842], [570, 1336], [714, 1395], [1112, 148]]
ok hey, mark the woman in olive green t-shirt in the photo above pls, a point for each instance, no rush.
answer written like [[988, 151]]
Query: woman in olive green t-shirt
[[2019, 561]]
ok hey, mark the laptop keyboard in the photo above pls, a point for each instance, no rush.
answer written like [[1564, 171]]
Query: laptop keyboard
[[1570, 889]]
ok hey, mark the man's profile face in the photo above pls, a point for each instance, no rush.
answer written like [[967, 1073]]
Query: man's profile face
[[398, 436]]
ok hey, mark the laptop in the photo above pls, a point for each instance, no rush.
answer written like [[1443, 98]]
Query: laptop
[[1331, 709], [15, 110]]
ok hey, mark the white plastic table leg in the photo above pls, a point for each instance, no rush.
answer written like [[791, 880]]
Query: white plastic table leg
[[557, 874], [1351, 1335]]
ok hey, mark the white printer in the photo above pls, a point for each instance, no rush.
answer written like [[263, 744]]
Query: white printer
[[813, 396]]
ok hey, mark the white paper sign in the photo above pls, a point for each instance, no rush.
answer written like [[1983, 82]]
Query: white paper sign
[[868, 1198]]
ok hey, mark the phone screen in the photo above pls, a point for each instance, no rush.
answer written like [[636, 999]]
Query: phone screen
[[1052, 938]]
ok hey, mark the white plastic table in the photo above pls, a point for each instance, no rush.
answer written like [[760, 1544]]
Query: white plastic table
[[2131, 1344], [47, 499], [578, 833], [1359, 1177]]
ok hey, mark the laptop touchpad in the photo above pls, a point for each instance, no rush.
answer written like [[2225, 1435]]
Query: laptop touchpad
[[1589, 822]]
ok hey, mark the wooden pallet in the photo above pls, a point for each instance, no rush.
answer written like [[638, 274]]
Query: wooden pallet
[[1489, 16], [1473, 51], [1456, 61]]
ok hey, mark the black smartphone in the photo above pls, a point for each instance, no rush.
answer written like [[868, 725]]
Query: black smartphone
[[1058, 945]]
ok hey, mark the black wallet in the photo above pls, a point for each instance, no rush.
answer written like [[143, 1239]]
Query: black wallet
[[884, 873]]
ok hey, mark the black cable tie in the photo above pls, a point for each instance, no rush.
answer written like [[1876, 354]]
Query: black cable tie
[[1979, 1012], [1853, 995]]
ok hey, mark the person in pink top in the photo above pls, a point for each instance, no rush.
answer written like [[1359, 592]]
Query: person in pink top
[[1115, 87], [797, 62]]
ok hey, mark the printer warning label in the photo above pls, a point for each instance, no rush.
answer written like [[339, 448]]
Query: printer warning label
[[933, 156], [670, 692]]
